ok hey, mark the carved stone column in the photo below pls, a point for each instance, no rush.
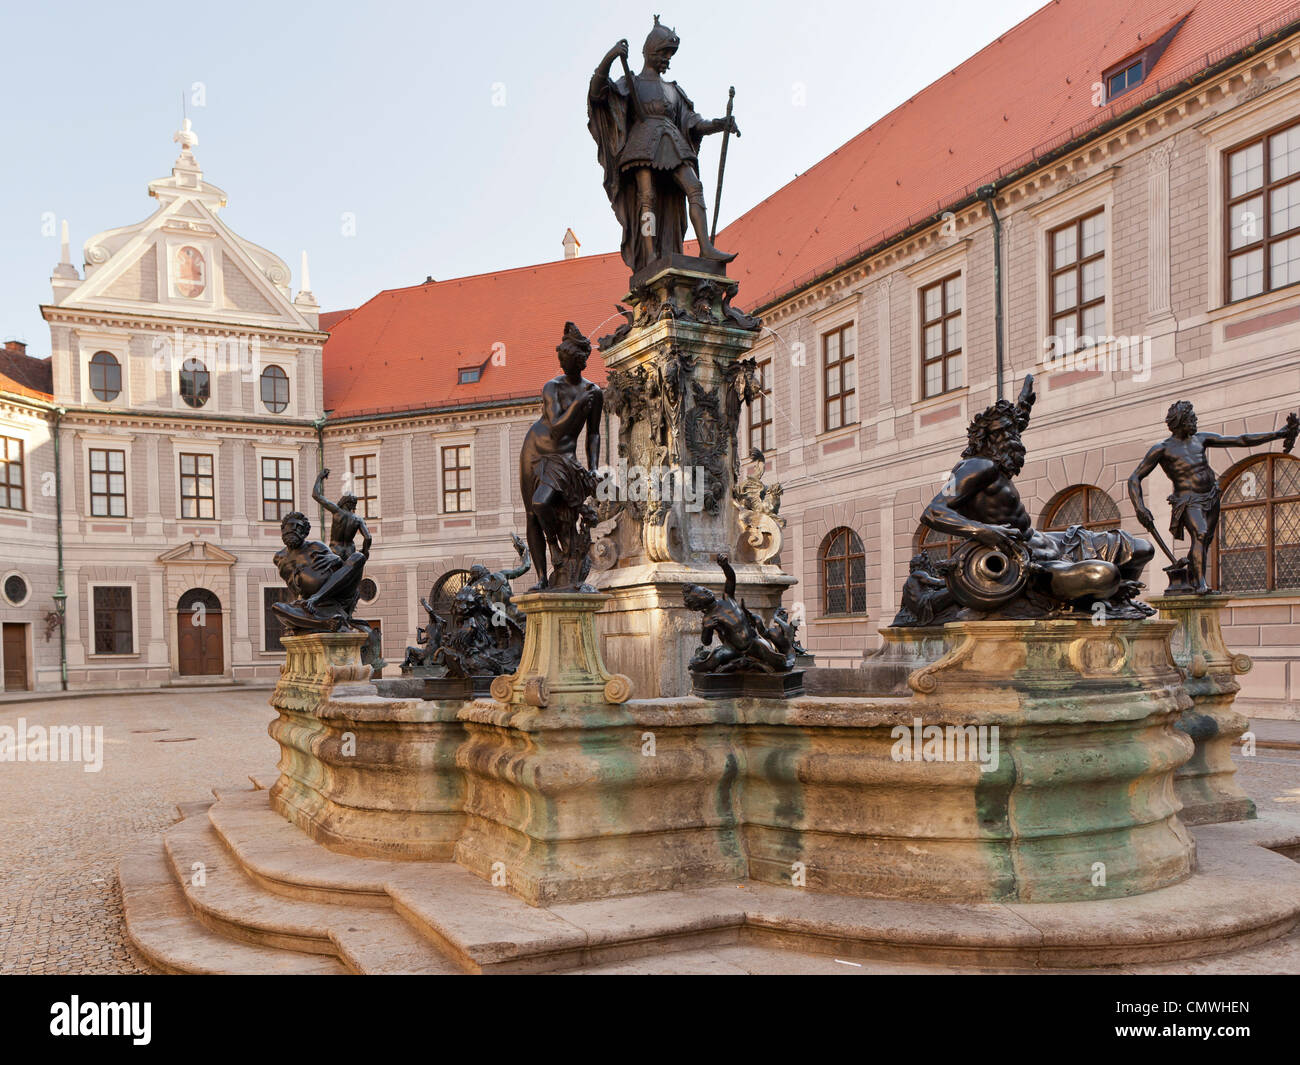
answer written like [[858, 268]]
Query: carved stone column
[[678, 381]]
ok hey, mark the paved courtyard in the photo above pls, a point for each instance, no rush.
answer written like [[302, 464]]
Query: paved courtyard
[[62, 829]]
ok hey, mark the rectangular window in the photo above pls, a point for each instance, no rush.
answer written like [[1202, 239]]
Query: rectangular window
[[365, 484], [114, 634], [107, 483], [277, 488], [941, 337], [841, 403], [1076, 284], [1262, 214], [760, 410], [198, 498], [12, 483], [457, 497], [272, 630]]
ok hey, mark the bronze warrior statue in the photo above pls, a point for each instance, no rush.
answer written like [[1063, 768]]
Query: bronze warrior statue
[[324, 586], [555, 485], [648, 138], [1183, 457], [1007, 566]]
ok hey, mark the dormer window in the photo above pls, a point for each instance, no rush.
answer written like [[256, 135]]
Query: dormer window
[[1124, 79], [469, 375], [1132, 70]]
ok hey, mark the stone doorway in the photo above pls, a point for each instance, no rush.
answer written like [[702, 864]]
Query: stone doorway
[[200, 639], [14, 650]]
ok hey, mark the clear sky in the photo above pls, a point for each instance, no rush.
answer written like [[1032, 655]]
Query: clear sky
[[454, 134]]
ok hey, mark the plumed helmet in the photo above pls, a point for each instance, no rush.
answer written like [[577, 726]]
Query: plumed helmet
[[660, 39]]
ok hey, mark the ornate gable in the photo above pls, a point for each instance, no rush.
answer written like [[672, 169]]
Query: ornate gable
[[183, 261]]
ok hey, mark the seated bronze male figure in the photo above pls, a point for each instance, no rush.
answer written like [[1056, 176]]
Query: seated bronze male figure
[[1009, 568]]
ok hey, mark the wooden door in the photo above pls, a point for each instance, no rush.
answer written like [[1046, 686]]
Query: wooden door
[[200, 644], [15, 657]]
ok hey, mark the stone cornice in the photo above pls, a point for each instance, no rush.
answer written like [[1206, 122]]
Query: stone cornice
[[55, 313]]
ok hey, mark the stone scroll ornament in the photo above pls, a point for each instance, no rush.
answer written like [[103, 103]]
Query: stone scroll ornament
[[556, 487], [758, 507], [1005, 568], [483, 634], [1184, 458], [746, 643], [648, 138]]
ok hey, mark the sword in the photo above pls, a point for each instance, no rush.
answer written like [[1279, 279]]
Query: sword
[[1151, 528], [722, 162], [637, 108]]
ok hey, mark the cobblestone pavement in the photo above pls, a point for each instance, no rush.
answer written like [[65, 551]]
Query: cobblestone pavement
[[62, 829]]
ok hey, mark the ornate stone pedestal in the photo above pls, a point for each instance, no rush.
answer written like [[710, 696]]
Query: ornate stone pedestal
[[678, 381], [1207, 784], [364, 775], [569, 795]]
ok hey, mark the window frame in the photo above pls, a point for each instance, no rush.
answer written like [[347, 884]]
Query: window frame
[[1268, 502], [825, 558], [261, 388], [1058, 501], [845, 365], [1076, 267], [211, 478], [202, 368], [6, 467], [942, 321], [761, 406], [283, 593], [461, 488], [125, 494], [950, 543], [92, 651], [262, 460], [1266, 239], [92, 366], [366, 486]]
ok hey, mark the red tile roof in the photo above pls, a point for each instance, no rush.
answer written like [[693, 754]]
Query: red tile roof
[[26, 375], [403, 349], [1019, 98]]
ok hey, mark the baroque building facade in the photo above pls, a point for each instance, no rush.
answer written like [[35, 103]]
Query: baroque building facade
[[1140, 222]]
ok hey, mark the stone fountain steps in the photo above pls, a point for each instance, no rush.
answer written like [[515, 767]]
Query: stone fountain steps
[[231, 905], [163, 930], [292, 892]]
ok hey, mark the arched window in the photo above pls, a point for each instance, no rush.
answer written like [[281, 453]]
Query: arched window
[[936, 544], [196, 383], [445, 589], [275, 389], [1259, 526], [844, 574], [1083, 505], [105, 376]]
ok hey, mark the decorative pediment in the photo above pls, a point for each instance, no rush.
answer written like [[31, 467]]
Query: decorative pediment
[[184, 261], [197, 553]]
